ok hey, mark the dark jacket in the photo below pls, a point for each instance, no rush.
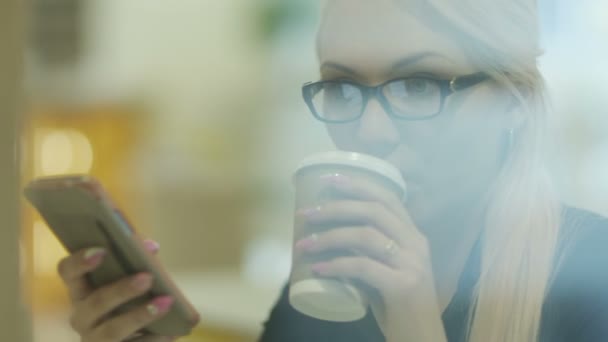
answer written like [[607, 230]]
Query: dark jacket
[[575, 309]]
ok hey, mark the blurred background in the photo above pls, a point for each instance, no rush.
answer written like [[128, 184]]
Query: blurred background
[[190, 113]]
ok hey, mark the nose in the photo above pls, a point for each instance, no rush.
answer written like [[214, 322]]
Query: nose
[[376, 134]]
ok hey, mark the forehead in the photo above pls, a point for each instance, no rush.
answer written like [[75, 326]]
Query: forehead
[[371, 37]]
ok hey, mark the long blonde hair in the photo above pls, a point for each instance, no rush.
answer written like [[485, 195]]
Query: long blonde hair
[[523, 218]]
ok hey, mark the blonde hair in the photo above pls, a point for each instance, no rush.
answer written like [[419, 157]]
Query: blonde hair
[[523, 218]]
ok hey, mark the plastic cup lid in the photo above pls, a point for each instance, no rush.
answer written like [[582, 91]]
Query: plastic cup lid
[[354, 159]]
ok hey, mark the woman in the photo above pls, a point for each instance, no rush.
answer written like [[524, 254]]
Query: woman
[[449, 92]]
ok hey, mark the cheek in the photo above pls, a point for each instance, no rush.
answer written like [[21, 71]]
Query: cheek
[[471, 142], [471, 133], [464, 155], [460, 166], [342, 136]]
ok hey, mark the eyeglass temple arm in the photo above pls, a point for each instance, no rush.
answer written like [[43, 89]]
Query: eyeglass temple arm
[[463, 82]]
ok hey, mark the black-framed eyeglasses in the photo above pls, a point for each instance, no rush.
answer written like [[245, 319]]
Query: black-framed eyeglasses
[[407, 98]]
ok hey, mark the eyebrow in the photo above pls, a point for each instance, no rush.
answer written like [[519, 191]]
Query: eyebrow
[[400, 64], [413, 59], [340, 67]]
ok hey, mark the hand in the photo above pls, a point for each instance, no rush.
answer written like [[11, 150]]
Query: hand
[[90, 318], [393, 257]]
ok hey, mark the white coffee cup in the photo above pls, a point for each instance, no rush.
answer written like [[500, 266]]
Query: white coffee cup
[[337, 300]]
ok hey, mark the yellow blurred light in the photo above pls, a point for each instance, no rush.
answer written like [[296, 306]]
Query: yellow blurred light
[[83, 152], [56, 153], [62, 151]]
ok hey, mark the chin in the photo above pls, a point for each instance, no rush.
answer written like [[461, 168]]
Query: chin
[[425, 211]]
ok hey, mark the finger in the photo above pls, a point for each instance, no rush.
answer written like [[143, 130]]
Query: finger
[[358, 212], [364, 240], [90, 311], [121, 327], [73, 269], [367, 190], [151, 246], [371, 272]]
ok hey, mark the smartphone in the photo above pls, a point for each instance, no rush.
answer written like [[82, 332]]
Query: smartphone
[[81, 215]]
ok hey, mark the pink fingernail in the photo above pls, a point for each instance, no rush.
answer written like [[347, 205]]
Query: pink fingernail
[[305, 244], [151, 245], [162, 304], [94, 255], [320, 268]]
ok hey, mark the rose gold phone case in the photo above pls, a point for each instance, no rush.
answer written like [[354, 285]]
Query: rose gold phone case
[[81, 215]]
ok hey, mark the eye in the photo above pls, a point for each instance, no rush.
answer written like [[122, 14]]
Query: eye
[[338, 100], [342, 91], [418, 85], [412, 87]]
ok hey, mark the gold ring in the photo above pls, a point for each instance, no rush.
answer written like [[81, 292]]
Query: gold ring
[[152, 309], [391, 248]]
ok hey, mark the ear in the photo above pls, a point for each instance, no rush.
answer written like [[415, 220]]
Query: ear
[[516, 116]]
